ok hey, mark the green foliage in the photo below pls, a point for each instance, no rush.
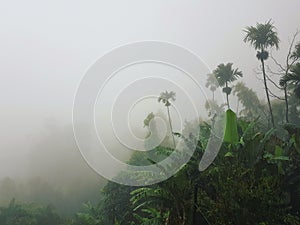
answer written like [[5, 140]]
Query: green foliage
[[231, 134], [254, 181], [293, 78], [28, 214], [91, 217], [152, 217]]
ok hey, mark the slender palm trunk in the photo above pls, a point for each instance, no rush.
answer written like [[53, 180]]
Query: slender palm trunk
[[267, 92], [171, 128], [213, 97], [227, 97], [286, 104]]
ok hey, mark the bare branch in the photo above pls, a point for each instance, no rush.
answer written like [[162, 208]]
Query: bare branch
[[288, 65], [275, 96], [275, 73], [276, 85], [278, 64], [285, 69]]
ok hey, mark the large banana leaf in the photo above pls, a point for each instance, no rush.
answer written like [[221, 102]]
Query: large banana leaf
[[231, 134]]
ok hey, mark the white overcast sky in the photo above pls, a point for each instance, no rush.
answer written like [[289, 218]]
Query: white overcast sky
[[46, 46]]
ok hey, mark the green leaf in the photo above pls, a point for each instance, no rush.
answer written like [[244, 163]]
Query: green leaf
[[281, 158], [231, 134], [229, 154], [279, 154], [278, 151], [268, 156], [294, 141]]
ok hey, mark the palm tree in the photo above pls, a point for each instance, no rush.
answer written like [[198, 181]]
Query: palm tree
[[226, 74], [296, 53], [165, 98], [293, 78], [262, 37], [252, 105], [212, 83]]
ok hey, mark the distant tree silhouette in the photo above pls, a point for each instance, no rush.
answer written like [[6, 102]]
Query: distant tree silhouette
[[225, 74], [262, 37], [165, 98]]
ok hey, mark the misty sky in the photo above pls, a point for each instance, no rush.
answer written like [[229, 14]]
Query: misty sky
[[46, 47]]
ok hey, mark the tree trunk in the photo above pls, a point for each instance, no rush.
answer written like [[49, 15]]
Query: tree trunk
[[267, 92], [171, 128], [227, 97], [286, 104]]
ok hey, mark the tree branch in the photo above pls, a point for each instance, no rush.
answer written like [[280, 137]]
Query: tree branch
[[275, 73], [288, 65], [276, 85], [275, 96], [277, 63]]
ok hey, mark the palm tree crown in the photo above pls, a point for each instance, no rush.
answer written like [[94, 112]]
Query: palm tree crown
[[166, 96], [225, 74], [262, 36]]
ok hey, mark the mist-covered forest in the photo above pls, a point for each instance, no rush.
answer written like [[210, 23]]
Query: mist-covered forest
[[254, 179]]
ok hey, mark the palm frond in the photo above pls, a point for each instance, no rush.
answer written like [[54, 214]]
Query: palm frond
[[296, 53], [225, 73], [262, 36], [166, 96], [293, 78], [212, 82]]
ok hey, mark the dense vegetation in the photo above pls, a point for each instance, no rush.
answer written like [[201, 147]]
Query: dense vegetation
[[255, 178]]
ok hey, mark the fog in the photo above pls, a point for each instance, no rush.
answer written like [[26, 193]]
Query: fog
[[46, 48]]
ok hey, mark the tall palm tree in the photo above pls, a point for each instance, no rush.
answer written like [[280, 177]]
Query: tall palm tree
[[165, 98], [262, 37], [293, 78], [212, 83], [226, 74]]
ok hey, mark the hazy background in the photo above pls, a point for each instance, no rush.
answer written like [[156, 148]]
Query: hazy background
[[46, 47]]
